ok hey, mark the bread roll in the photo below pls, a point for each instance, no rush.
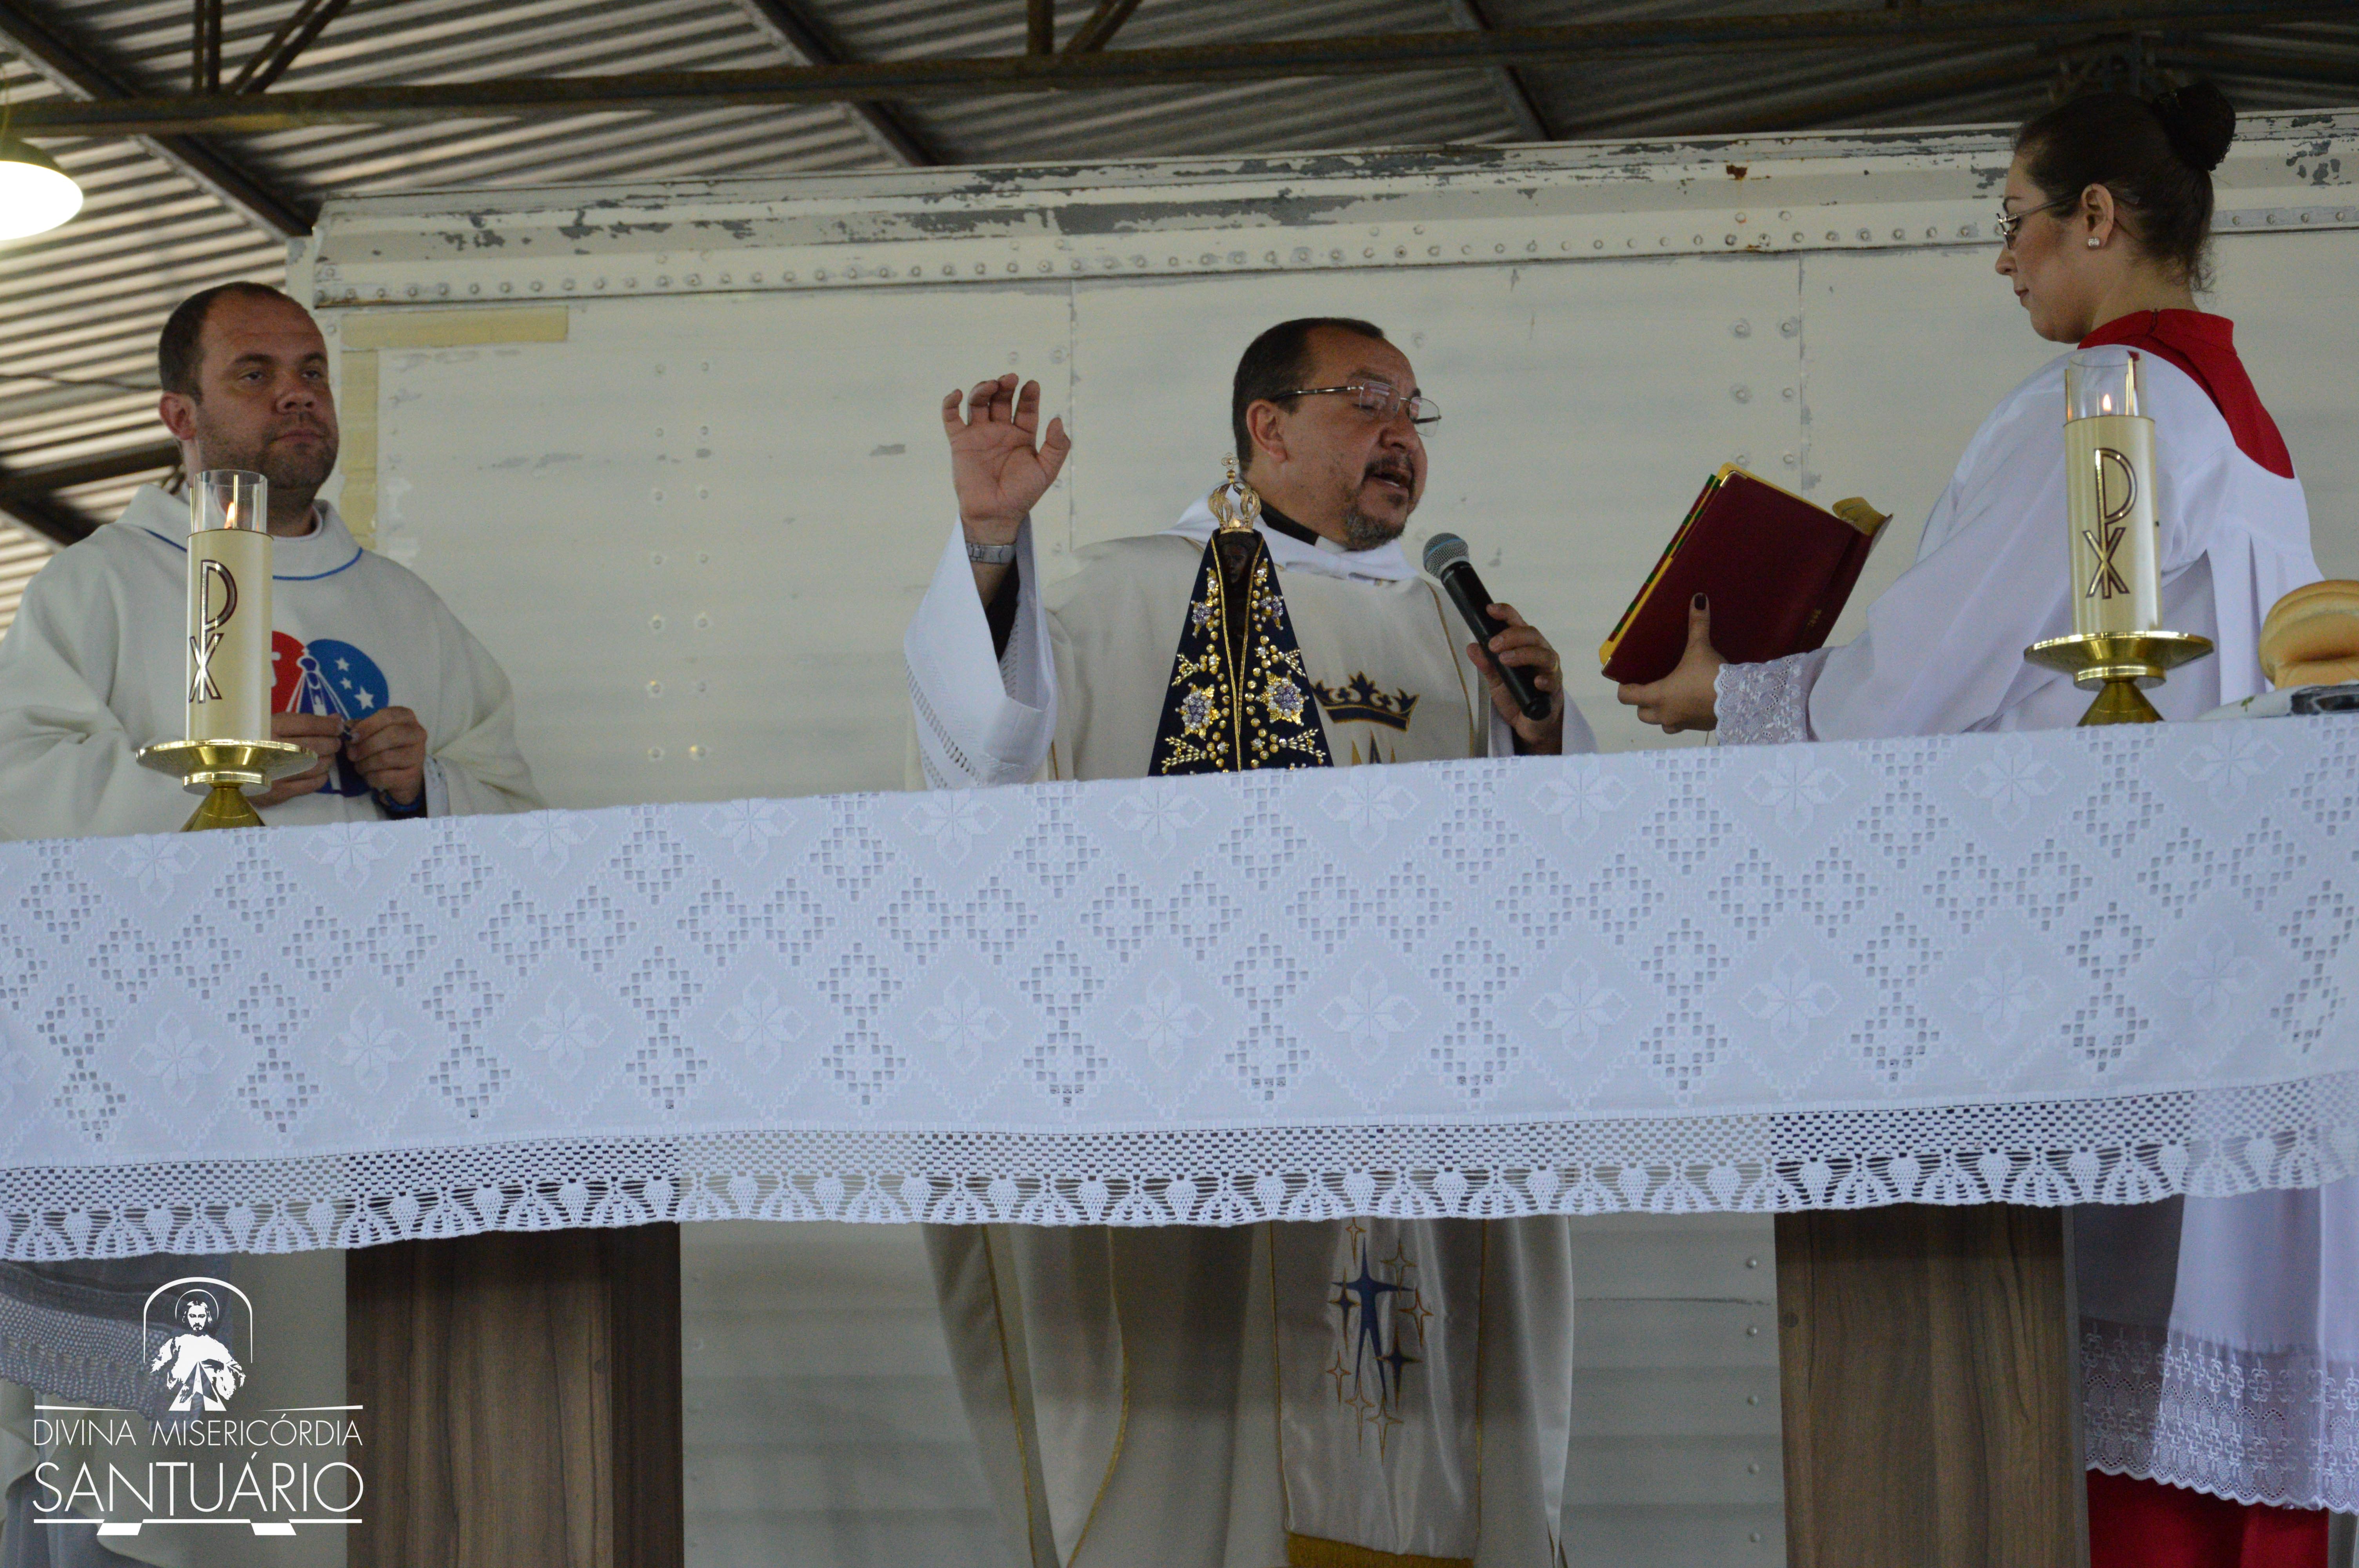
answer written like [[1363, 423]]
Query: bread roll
[[2317, 672], [2315, 625]]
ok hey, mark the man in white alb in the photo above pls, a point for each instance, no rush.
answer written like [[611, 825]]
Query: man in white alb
[[1375, 1391], [407, 713]]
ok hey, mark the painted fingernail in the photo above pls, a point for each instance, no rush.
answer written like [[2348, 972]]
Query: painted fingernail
[[1699, 602]]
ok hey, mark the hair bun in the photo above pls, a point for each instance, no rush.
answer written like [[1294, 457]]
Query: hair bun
[[2200, 122]]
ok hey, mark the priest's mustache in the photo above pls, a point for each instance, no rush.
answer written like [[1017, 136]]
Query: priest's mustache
[[1392, 469]]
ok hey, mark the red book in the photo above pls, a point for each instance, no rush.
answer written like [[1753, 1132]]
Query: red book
[[1775, 567]]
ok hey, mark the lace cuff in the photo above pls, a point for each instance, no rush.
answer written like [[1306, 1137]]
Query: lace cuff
[[1766, 705]]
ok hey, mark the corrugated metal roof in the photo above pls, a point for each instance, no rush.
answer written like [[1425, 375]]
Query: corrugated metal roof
[[78, 310]]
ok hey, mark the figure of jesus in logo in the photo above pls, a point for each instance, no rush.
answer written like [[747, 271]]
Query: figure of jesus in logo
[[202, 1375]]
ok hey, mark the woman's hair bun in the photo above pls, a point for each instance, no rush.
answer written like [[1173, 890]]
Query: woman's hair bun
[[2200, 122]]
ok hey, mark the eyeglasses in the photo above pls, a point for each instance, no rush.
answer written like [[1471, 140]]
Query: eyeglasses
[[1377, 401], [2010, 224]]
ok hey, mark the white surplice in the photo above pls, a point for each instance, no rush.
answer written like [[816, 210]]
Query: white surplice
[[1231, 1399], [2220, 1335]]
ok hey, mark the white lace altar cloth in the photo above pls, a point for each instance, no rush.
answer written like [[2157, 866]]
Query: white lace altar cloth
[[2092, 966]]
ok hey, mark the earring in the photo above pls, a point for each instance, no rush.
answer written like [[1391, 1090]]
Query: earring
[[2095, 241]]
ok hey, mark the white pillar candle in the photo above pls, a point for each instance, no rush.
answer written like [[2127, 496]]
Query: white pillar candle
[[2109, 489], [229, 606]]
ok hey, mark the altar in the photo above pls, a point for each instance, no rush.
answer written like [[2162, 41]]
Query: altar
[[1915, 997]]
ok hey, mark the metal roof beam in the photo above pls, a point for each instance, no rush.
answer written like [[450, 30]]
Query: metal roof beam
[[1040, 26], [2303, 68], [804, 34], [30, 495], [204, 47], [1997, 22], [41, 512], [1099, 29], [295, 35], [72, 69], [1522, 107], [55, 477]]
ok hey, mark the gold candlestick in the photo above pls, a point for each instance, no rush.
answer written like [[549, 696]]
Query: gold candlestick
[[228, 750], [2120, 665], [2117, 645]]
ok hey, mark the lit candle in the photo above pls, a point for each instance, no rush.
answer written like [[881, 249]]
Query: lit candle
[[229, 606], [2109, 490]]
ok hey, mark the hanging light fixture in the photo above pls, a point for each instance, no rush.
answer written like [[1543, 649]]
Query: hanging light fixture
[[35, 194]]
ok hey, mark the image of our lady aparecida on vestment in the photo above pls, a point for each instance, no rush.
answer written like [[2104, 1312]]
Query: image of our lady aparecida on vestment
[[193, 1324]]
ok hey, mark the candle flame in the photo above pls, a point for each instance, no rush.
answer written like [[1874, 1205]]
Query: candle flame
[[2105, 403]]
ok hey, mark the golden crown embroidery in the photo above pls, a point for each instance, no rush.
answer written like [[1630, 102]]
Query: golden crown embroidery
[[1360, 702]]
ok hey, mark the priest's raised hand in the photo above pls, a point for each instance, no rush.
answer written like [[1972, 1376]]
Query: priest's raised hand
[[1000, 465]]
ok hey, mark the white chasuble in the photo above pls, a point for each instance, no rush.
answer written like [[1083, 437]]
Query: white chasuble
[[1077, 689], [1367, 1394], [1173, 1396], [1376, 1338]]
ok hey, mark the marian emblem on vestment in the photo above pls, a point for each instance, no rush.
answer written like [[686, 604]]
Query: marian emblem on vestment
[[1240, 695]]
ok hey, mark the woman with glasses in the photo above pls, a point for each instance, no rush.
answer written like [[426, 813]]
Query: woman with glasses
[[2220, 1336]]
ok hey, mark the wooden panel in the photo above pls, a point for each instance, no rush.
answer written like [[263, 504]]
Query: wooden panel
[[521, 1398], [1931, 1396]]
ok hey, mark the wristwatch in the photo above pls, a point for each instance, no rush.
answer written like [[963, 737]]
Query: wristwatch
[[990, 554]]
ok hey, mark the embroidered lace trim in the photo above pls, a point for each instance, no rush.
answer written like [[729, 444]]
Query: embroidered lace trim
[[79, 1336], [2043, 1153], [1766, 705], [2279, 1427]]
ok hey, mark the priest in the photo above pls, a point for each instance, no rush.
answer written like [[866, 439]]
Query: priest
[[407, 714], [1374, 1391]]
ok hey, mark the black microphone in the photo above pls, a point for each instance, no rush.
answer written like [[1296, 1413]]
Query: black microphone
[[1445, 558]]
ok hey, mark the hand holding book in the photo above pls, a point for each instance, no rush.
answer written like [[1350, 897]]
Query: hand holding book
[[1687, 698], [1777, 568]]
